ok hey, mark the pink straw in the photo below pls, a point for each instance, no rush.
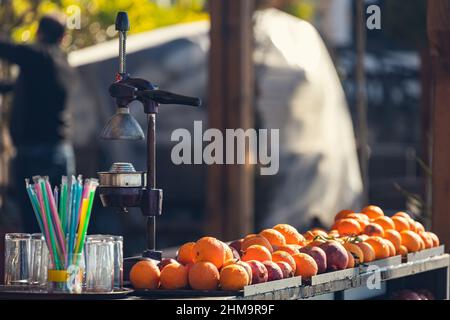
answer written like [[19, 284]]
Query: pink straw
[[57, 222], [44, 220]]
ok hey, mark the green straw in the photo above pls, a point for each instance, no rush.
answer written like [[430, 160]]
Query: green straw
[[88, 216]]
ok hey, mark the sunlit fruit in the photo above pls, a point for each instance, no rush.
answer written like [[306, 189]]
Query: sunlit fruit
[[174, 276], [145, 274], [209, 249], [203, 276]]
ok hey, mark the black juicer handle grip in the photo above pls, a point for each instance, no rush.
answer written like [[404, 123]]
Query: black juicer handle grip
[[165, 97]]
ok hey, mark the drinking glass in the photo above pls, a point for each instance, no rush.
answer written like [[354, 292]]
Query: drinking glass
[[66, 278], [17, 258], [99, 255], [118, 256], [39, 260]]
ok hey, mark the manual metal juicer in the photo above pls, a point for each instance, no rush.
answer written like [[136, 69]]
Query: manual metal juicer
[[122, 186]]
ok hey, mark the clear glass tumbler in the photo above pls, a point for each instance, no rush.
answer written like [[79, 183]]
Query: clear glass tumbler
[[118, 256], [39, 260], [17, 258], [99, 255]]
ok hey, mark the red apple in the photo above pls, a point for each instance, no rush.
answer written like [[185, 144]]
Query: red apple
[[259, 272], [273, 271], [164, 262], [237, 245], [337, 257], [286, 269]]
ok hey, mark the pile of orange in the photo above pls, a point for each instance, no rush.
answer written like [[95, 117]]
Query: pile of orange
[[210, 264]]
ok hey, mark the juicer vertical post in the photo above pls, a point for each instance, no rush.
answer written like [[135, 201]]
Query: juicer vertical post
[[122, 25], [151, 178]]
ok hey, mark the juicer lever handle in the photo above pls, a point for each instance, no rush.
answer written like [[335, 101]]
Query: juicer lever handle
[[165, 97]]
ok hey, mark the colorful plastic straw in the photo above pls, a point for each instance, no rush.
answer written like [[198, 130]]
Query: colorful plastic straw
[[63, 215]]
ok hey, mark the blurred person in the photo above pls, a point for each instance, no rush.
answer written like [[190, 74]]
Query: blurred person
[[40, 118], [299, 92]]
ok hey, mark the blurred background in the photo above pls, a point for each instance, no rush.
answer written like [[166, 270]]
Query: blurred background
[[337, 151]]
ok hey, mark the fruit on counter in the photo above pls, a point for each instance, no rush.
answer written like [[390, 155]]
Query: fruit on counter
[[286, 269], [351, 260], [248, 269], [174, 276], [203, 276], [373, 212], [256, 252], [291, 235], [186, 253], [411, 240], [228, 252], [274, 237], [306, 265], [379, 246], [256, 240], [394, 237], [209, 249], [279, 256], [355, 251], [237, 245], [401, 223], [374, 229], [385, 222], [259, 272], [166, 261], [337, 258], [319, 257], [282, 252], [273, 271], [233, 278], [145, 274]]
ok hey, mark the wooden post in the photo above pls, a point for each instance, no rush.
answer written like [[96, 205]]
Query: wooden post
[[361, 96], [230, 106], [439, 37]]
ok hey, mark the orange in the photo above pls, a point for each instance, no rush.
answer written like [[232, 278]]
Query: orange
[[174, 276], [251, 235], [333, 234], [306, 265], [401, 223], [186, 253], [403, 215], [373, 212], [363, 222], [228, 252], [435, 239], [385, 222], [411, 240], [355, 251], [379, 246], [282, 256], [256, 239], [403, 251], [412, 225], [145, 275], [229, 262], [203, 276], [373, 229], [428, 241], [291, 235], [421, 243], [347, 227], [419, 227], [392, 251], [351, 260], [258, 253], [289, 249], [210, 249], [343, 214], [274, 237], [311, 234], [233, 278], [368, 251], [394, 237]]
